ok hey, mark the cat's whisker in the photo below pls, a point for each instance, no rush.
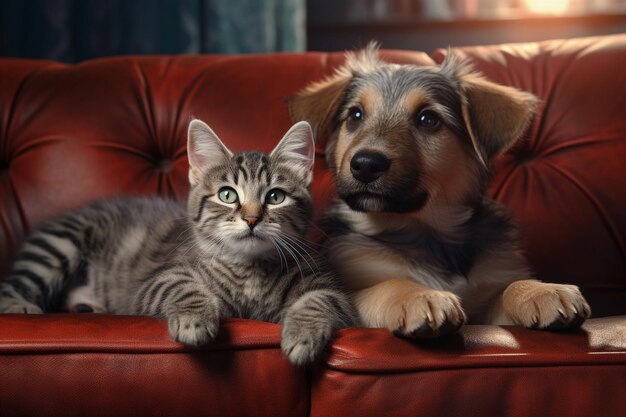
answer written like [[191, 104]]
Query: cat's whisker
[[184, 255], [301, 244], [281, 256], [216, 248], [212, 248], [296, 256], [285, 246], [305, 244], [186, 240], [295, 245]]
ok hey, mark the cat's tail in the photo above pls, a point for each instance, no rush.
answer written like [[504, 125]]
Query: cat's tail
[[46, 263]]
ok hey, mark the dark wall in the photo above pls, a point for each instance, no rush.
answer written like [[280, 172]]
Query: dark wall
[[332, 27]]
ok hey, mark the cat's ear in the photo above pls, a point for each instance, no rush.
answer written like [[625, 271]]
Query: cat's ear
[[204, 149], [297, 149]]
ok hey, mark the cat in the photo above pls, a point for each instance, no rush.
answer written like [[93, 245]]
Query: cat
[[237, 250]]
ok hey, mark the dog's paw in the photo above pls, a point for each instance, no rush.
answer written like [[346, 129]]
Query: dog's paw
[[13, 306], [539, 305], [303, 340], [193, 329], [425, 314]]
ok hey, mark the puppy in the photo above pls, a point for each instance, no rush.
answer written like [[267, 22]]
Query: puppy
[[412, 232]]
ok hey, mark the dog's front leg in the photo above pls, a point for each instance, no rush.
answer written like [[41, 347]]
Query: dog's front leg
[[539, 305], [409, 309]]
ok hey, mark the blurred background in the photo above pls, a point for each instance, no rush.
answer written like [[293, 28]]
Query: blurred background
[[430, 24], [75, 30]]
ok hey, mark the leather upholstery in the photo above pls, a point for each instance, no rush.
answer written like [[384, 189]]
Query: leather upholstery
[[482, 371], [72, 365], [117, 126]]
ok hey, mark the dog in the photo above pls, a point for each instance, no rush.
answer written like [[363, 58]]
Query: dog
[[412, 232]]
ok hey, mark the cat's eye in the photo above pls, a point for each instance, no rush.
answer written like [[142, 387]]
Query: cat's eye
[[275, 196], [428, 119], [228, 195]]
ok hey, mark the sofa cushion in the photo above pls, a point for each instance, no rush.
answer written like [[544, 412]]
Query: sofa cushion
[[100, 365], [481, 371]]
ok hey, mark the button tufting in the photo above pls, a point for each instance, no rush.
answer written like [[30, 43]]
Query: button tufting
[[165, 165], [524, 156]]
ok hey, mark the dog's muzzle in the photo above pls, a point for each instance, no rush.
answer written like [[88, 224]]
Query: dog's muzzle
[[367, 167], [379, 203]]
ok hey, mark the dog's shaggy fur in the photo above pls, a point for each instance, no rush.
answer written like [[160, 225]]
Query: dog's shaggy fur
[[413, 233]]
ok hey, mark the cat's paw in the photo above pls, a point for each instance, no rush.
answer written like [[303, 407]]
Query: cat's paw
[[539, 305], [302, 341], [13, 306], [193, 329]]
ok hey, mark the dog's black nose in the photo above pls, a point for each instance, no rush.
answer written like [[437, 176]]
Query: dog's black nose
[[368, 166]]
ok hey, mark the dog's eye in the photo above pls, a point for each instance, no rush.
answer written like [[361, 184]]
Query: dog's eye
[[428, 119], [355, 114]]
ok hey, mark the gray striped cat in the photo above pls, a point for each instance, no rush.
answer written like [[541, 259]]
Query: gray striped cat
[[237, 250]]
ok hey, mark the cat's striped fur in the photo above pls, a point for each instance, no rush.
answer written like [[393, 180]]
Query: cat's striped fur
[[245, 258]]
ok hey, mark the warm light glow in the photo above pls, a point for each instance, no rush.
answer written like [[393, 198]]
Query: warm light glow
[[547, 6]]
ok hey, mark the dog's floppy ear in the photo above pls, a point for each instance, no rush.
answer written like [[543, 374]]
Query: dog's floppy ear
[[318, 102], [495, 115]]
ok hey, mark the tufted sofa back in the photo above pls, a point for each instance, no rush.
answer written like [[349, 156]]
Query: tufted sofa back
[[117, 126]]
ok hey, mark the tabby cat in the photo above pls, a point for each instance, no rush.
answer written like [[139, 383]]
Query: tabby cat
[[237, 250]]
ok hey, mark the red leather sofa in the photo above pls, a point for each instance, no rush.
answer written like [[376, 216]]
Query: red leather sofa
[[70, 134]]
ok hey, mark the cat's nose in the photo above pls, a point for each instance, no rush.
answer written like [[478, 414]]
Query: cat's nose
[[251, 220]]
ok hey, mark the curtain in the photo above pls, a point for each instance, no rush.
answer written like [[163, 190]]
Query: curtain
[[74, 30]]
